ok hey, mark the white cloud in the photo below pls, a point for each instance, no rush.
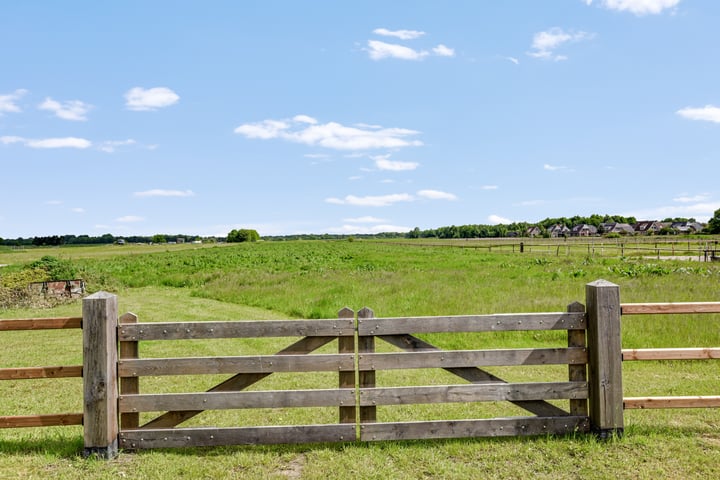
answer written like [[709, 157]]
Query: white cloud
[[305, 119], [443, 51], [701, 211], [66, 142], [401, 34], [497, 219], [708, 113], [513, 60], [364, 220], [638, 7], [111, 145], [436, 195], [489, 187], [264, 130], [379, 50], [130, 219], [382, 163], [329, 135], [8, 102], [164, 193], [684, 198], [78, 210], [545, 43], [554, 168], [372, 201], [8, 140], [140, 99], [357, 230], [70, 110]]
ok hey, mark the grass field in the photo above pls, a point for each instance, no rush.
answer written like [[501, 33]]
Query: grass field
[[272, 280]]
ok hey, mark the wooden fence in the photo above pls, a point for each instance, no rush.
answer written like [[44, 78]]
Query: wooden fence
[[589, 398], [655, 354], [30, 373]]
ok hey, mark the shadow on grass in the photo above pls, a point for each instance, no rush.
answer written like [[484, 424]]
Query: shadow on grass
[[304, 448], [72, 446]]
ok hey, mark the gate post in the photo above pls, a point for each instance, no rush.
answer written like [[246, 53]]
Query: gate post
[[100, 389], [604, 358]]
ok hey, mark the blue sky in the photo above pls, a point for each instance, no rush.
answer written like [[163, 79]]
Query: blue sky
[[291, 117]]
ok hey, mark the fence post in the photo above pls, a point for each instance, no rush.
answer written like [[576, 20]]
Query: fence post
[[604, 358], [100, 389]]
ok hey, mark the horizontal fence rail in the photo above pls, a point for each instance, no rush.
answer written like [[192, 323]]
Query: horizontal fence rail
[[238, 329], [473, 323], [40, 323], [34, 373], [669, 308]]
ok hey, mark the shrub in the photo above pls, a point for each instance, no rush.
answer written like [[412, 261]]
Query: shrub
[[55, 268]]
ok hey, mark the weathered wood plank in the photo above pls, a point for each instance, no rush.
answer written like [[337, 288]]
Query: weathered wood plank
[[237, 329], [211, 437], [237, 382], [478, 392], [670, 354], [237, 400], [100, 386], [605, 362], [366, 378], [346, 379], [577, 373], [41, 323], [129, 385], [501, 427], [473, 323], [672, 402], [473, 374], [669, 308], [26, 373], [51, 420], [472, 358], [249, 364]]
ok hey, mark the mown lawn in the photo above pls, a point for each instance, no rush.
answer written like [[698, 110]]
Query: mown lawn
[[316, 279]]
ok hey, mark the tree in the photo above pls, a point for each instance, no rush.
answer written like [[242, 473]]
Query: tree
[[713, 225], [243, 235], [159, 238]]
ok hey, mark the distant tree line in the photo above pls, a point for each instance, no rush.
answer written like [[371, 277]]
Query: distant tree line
[[453, 231], [106, 239]]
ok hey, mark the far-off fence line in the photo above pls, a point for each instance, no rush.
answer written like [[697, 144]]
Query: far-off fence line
[[657, 247], [589, 399]]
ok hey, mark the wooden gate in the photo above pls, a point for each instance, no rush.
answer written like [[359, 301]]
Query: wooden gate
[[357, 396]]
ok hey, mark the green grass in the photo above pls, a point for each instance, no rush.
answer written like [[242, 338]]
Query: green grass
[[315, 279]]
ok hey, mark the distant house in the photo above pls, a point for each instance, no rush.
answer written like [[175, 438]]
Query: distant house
[[584, 230], [648, 227], [533, 231], [558, 230], [620, 228], [687, 227]]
